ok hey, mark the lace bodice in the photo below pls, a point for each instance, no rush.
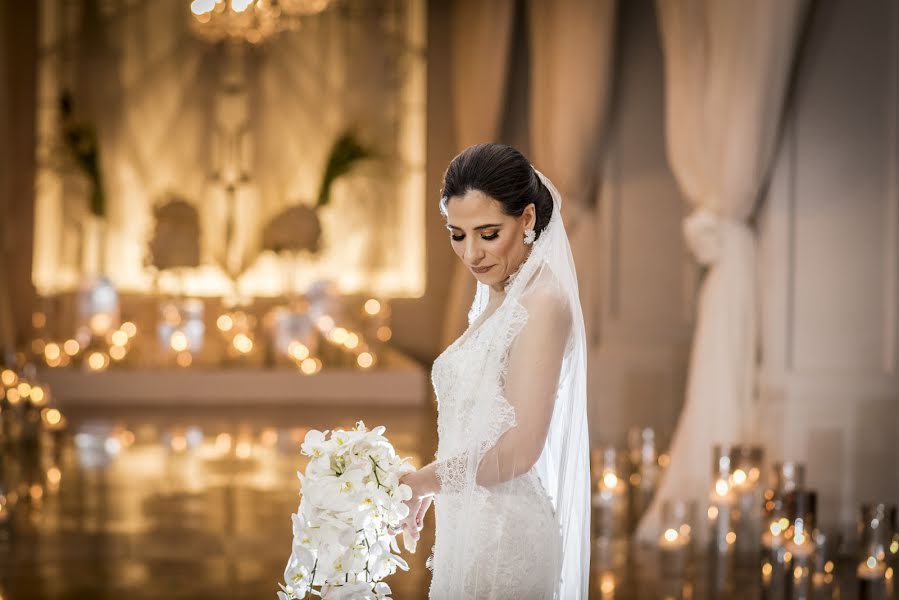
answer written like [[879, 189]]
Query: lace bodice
[[494, 384]]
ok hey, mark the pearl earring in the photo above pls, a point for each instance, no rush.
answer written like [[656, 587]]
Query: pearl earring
[[529, 236]]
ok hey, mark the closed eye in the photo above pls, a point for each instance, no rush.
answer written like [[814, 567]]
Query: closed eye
[[492, 236]]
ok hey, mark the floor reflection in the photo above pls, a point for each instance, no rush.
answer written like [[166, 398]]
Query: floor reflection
[[181, 503], [195, 503]]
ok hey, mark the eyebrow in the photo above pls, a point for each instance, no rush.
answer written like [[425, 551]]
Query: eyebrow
[[488, 226]]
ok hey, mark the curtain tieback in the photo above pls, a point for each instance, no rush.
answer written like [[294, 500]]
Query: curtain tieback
[[707, 233]]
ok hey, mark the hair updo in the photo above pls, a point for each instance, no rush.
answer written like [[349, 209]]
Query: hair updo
[[502, 173]]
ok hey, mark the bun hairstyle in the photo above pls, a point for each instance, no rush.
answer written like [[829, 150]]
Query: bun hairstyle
[[502, 173]]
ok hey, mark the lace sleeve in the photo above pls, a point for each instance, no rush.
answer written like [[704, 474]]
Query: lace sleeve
[[530, 386]]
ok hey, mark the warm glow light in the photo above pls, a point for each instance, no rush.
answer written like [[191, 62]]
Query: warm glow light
[[37, 492], [894, 547], [38, 320], [325, 323], [871, 562], [308, 366], [184, 359], [365, 360], [610, 480], [721, 487], [37, 395], [12, 394], [372, 306], [54, 475], [24, 389], [739, 477], [117, 352], [71, 347], [223, 442], [889, 573], [298, 351], [240, 5], [607, 584], [53, 416], [384, 333], [664, 459], [713, 512], [828, 567], [788, 556], [97, 361], [775, 528], [269, 437], [224, 323], [51, 351], [178, 341], [797, 573], [179, 443], [766, 569], [635, 479], [242, 343], [127, 438], [754, 474], [119, 338], [352, 341], [9, 377], [199, 7], [731, 537], [784, 523], [339, 335], [129, 328], [670, 535], [100, 323], [244, 449]]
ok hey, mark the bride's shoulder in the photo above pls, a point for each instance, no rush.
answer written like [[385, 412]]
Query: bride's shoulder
[[544, 300]]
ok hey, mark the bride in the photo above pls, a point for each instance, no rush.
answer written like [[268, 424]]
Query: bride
[[511, 482]]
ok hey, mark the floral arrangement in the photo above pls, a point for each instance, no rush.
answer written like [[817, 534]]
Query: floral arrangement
[[351, 502]]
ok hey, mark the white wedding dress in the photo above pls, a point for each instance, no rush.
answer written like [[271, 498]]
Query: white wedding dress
[[512, 512]]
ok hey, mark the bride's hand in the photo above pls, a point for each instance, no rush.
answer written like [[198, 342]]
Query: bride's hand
[[418, 505]]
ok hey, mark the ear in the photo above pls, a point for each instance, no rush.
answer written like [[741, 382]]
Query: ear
[[530, 216]]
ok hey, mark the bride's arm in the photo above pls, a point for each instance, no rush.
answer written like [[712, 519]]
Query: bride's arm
[[531, 384]]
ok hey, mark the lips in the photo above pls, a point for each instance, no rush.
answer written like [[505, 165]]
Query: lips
[[482, 269]]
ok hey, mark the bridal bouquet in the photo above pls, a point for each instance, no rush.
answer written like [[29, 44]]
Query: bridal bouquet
[[351, 499]]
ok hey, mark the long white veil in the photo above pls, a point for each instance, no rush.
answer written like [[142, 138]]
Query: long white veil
[[563, 466]]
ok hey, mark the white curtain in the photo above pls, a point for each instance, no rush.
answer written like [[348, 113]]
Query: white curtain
[[481, 33], [727, 64], [572, 47], [163, 100]]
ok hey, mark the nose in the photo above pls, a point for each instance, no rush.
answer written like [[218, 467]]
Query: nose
[[472, 255]]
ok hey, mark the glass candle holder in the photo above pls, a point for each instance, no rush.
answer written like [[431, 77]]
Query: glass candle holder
[[875, 538], [644, 478], [800, 543], [678, 518], [610, 495], [826, 546], [745, 475], [722, 501], [788, 477]]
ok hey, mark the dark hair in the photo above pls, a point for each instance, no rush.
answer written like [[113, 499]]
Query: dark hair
[[502, 173]]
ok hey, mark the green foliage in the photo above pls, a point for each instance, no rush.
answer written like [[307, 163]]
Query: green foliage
[[81, 141], [345, 153]]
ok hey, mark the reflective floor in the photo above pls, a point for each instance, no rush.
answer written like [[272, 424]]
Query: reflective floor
[[195, 503]]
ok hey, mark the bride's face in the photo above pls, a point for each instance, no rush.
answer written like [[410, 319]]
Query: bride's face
[[489, 242]]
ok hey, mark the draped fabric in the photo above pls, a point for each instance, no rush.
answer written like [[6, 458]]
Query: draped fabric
[[727, 66], [572, 44], [241, 132], [481, 37]]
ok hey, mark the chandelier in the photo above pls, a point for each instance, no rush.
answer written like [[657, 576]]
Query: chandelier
[[252, 21]]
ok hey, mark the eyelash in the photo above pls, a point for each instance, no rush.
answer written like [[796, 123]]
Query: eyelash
[[483, 237]]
